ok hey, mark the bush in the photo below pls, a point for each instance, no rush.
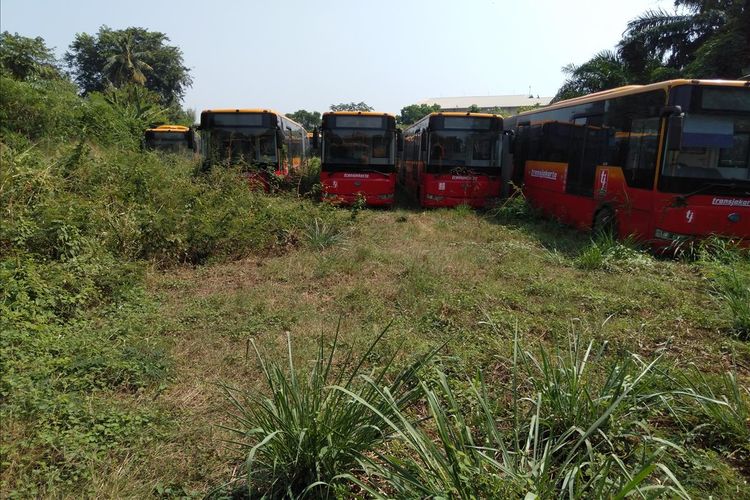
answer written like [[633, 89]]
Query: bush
[[303, 434]]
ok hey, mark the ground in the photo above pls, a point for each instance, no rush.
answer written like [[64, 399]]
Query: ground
[[466, 279]]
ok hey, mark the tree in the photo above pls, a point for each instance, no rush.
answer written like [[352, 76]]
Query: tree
[[413, 112], [474, 109], [127, 64], [603, 71], [308, 119], [132, 55], [25, 58], [352, 106], [701, 39]]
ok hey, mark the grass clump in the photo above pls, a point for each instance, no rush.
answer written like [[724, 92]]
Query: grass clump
[[575, 430], [606, 253], [302, 434]]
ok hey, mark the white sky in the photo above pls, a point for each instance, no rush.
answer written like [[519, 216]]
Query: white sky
[[293, 54]]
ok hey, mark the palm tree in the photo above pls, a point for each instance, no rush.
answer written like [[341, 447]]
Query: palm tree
[[700, 39], [605, 70], [126, 64]]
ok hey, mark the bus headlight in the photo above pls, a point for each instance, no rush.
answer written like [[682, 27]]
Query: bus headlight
[[434, 197], [388, 196]]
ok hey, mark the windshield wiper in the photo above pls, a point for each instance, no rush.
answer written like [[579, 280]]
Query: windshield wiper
[[681, 199]]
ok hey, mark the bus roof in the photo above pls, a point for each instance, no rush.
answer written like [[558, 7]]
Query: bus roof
[[248, 111], [465, 113], [355, 113], [169, 128], [240, 110], [634, 89]]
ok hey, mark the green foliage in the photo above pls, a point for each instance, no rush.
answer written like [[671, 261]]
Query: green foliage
[[578, 432], [308, 119], [351, 106], [700, 39], [42, 109], [320, 235], [24, 58], [304, 432], [133, 55], [607, 253], [414, 112]]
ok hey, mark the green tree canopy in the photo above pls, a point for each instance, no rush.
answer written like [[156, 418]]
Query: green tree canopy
[[352, 106], [24, 58], [308, 119], [700, 39], [123, 57], [413, 112]]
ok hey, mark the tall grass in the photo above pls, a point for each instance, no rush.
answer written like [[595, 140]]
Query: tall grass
[[300, 434], [575, 431]]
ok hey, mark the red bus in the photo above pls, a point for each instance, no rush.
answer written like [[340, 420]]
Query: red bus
[[358, 157], [664, 163], [452, 159], [262, 142]]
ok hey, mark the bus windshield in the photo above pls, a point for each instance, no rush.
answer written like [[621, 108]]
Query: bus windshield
[[358, 147], [167, 141], [454, 148], [252, 145], [715, 147]]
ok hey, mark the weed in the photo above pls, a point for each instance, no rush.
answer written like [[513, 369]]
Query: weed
[[321, 235], [303, 434]]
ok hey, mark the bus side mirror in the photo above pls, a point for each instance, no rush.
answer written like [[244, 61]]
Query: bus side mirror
[[316, 138], [279, 138], [674, 134], [423, 143], [399, 141]]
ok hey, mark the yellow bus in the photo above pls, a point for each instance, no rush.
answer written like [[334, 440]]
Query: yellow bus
[[171, 138]]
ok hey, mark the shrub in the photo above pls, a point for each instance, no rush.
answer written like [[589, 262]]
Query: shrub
[[302, 435]]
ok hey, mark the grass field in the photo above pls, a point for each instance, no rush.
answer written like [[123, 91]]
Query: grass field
[[467, 280]]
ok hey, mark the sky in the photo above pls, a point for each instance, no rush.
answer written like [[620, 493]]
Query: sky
[[293, 54]]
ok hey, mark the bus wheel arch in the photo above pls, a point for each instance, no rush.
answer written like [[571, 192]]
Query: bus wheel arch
[[605, 221]]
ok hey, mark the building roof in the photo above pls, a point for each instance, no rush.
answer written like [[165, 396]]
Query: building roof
[[487, 101]]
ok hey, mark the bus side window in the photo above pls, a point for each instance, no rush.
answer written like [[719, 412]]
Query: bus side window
[[640, 162]]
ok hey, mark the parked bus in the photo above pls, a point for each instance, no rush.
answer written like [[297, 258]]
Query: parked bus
[[453, 159], [358, 157], [261, 141], [171, 138], [663, 163]]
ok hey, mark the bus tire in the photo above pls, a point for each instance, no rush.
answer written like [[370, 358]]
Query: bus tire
[[605, 223]]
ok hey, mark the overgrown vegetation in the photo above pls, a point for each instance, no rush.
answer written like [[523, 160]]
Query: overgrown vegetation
[[85, 214], [135, 286]]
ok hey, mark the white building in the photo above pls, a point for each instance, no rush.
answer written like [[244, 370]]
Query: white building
[[504, 104]]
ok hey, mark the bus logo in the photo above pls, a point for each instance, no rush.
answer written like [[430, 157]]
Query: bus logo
[[441, 186], [689, 216], [603, 178]]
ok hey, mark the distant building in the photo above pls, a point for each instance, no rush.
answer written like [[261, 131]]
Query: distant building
[[503, 104]]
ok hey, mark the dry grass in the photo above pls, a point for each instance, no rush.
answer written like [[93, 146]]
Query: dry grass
[[440, 276]]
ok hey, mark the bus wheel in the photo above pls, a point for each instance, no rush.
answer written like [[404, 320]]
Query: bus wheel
[[605, 223]]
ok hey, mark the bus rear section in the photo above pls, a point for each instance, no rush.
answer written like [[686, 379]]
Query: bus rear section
[[171, 138], [358, 158], [453, 159], [663, 163], [265, 145]]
